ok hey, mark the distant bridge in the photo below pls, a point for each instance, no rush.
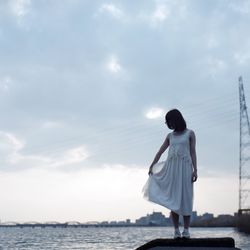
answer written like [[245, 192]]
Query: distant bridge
[[70, 224]]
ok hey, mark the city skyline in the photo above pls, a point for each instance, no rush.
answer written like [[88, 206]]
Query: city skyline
[[194, 215], [84, 87]]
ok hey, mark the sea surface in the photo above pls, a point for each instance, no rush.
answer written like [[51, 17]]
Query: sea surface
[[103, 238]]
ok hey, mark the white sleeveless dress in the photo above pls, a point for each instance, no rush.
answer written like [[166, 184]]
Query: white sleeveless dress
[[171, 184]]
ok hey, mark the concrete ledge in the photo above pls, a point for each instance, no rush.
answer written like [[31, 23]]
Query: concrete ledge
[[186, 244], [193, 248]]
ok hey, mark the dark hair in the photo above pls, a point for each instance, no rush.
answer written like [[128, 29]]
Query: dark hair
[[175, 120]]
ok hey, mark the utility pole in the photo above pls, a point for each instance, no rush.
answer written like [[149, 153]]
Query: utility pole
[[244, 157]]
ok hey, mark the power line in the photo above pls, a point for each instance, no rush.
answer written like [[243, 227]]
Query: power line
[[205, 115]]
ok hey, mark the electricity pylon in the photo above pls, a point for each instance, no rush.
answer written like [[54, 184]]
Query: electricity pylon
[[244, 161]]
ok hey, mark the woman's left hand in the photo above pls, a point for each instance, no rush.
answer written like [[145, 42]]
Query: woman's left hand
[[194, 176], [150, 171]]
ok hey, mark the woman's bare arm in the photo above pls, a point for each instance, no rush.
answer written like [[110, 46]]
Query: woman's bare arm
[[162, 149], [193, 154]]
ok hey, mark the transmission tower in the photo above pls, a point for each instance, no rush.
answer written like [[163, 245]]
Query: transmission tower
[[244, 161]]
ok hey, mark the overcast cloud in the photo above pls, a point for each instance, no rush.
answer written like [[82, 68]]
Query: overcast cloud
[[86, 84]]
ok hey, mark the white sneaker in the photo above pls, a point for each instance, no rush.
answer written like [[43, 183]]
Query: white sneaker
[[185, 234], [177, 234]]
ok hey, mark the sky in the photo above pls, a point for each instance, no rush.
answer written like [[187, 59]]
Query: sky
[[84, 87]]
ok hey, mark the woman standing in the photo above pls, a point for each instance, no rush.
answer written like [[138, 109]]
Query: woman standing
[[170, 183]]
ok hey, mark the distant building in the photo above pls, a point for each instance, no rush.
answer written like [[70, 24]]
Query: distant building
[[104, 223], [193, 216], [225, 218], [207, 216], [154, 219], [142, 221], [128, 221], [202, 220]]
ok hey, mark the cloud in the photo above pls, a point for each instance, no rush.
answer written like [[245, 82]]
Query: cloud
[[5, 83], [85, 191], [9, 146], [14, 142], [20, 8], [160, 14], [13, 159], [113, 65], [215, 66], [82, 192], [21, 12], [71, 156], [157, 16], [242, 7], [242, 58], [154, 113], [174, 11], [52, 124], [112, 10], [10, 149], [212, 42], [64, 57]]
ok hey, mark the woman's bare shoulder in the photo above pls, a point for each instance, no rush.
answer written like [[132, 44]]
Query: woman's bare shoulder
[[169, 134]]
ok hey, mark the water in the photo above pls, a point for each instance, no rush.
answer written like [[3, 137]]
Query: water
[[102, 238]]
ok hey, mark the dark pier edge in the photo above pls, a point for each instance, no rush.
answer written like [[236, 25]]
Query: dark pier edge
[[208, 243]]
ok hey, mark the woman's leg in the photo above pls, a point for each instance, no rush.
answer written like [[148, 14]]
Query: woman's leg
[[175, 218], [185, 233], [186, 221]]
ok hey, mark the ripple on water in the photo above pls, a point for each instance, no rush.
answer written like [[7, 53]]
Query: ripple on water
[[102, 238]]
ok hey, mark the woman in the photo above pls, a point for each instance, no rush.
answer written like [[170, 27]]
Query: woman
[[170, 183]]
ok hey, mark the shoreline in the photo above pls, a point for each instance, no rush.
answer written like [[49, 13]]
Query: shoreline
[[101, 226]]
